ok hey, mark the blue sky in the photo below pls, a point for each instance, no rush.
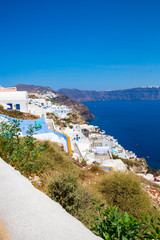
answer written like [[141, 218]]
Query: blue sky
[[84, 44]]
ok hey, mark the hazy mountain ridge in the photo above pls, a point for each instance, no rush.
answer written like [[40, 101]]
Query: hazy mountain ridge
[[141, 93]]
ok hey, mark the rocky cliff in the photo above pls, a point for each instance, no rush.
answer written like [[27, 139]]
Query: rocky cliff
[[76, 106], [143, 93]]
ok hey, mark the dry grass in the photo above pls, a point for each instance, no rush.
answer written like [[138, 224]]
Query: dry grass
[[17, 114], [124, 190], [53, 163], [54, 159]]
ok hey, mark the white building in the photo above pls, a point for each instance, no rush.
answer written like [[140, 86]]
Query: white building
[[36, 110], [47, 106], [99, 140], [41, 102], [90, 128], [60, 111], [75, 136], [12, 100], [49, 95]]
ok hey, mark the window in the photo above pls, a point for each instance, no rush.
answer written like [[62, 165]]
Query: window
[[18, 106], [10, 106]]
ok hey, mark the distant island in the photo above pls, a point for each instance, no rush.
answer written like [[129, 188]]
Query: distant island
[[140, 93]]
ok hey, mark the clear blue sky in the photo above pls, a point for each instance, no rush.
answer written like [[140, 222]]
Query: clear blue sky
[[84, 44]]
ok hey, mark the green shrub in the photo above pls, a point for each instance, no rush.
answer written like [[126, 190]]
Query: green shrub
[[83, 162], [125, 191], [113, 224], [150, 226], [19, 152], [95, 168], [67, 120], [64, 189]]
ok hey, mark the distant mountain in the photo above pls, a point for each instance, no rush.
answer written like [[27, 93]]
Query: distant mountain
[[141, 93], [33, 88], [60, 99]]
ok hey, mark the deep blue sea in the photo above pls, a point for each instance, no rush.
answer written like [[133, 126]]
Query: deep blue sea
[[136, 125]]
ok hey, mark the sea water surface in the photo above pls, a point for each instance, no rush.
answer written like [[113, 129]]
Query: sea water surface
[[136, 125]]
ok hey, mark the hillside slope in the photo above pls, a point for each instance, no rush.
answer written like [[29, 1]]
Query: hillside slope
[[60, 99], [143, 93], [29, 214], [33, 88]]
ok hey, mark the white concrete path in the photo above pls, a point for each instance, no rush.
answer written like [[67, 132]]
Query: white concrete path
[[30, 215]]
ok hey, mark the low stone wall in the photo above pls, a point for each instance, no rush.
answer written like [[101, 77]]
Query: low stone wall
[[29, 214]]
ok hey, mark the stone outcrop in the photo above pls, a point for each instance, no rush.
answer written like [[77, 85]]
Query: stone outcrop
[[75, 106], [154, 194], [29, 214], [154, 172], [137, 165]]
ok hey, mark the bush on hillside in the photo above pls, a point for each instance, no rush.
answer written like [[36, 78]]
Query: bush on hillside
[[113, 224], [66, 190], [95, 168], [19, 152], [125, 191]]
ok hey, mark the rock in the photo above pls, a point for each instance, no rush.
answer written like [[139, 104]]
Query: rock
[[154, 172], [154, 194], [138, 165]]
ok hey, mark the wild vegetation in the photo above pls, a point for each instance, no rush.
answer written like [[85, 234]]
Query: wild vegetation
[[113, 224], [17, 114], [56, 120], [125, 191], [75, 187], [19, 152]]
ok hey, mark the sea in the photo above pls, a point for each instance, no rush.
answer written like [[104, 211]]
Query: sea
[[135, 124]]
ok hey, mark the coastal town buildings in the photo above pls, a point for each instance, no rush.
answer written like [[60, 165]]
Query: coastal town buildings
[[59, 111], [84, 141], [41, 102]]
